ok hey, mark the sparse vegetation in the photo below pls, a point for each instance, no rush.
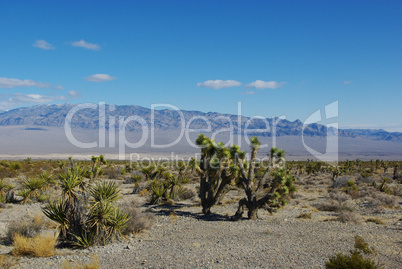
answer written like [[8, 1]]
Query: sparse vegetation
[[357, 259]]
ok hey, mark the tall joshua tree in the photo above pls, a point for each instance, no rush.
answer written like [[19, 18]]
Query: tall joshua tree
[[268, 190], [217, 169]]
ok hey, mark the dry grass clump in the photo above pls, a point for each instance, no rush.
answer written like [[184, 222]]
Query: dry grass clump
[[305, 215], [93, 264], [7, 261], [138, 221], [38, 246], [349, 217], [375, 220], [25, 227]]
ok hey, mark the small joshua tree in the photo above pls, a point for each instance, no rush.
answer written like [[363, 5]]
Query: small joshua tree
[[277, 187], [217, 169]]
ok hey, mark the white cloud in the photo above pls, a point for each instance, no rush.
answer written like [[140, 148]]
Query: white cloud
[[58, 87], [10, 83], [100, 78], [42, 44], [34, 98], [19, 99], [347, 82], [219, 84], [83, 44], [74, 94], [259, 84]]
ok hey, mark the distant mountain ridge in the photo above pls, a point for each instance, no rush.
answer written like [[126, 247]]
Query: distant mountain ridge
[[166, 119]]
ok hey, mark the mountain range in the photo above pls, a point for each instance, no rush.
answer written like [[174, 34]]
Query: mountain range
[[168, 119]]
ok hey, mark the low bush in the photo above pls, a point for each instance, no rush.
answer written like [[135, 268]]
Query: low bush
[[383, 199], [334, 206], [359, 258], [138, 221], [349, 217], [24, 227]]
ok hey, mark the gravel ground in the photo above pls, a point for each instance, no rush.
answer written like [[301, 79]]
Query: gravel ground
[[184, 238]]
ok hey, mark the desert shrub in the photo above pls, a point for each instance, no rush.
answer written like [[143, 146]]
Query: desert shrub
[[355, 260], [186, 194], [37, 246], [340, 182], [339, 196], [144, 193], [16, 166], [111, 173], [138, 221], [382, 199], [334, 206], [349, 217], [24, 227], [396, 190], [367, 180]]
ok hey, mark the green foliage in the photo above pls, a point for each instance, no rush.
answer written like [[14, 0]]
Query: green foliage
[[105, 190], [85, 221], [356, 259]]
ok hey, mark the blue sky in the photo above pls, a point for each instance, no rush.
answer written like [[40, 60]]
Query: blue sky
[[275, 57]]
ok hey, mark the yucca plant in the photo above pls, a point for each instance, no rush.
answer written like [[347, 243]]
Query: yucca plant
[[136, 178], [85, 240], [99, 219], [34, 184], [69, 181], [148, 171], [58, 212], [26, 196], [105, 191], [86, 215], [158, 193], [5, 187]]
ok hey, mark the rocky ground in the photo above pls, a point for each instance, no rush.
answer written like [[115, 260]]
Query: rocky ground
[[184, 238]]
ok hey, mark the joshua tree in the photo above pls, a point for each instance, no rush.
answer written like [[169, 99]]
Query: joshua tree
[[216, 169], [276, 188], [396, 166], [96, 162]]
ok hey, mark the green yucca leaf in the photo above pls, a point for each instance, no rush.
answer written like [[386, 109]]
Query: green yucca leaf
[[105, 190]]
